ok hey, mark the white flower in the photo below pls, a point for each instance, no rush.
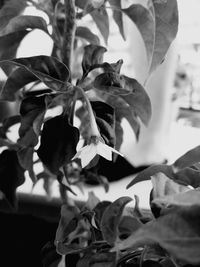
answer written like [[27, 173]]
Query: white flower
[[95, 147]]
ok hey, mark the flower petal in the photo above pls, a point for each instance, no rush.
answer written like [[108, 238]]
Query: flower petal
[[77, 155], [117, 152], [104, 151], [88, 154]]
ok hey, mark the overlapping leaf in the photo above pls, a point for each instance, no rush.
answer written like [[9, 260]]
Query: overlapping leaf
[[129, 90], [177, 231], [8, 47], [111, 219], [48, 70], [85, 33], [9, 10], [58, 143], [93, 54]]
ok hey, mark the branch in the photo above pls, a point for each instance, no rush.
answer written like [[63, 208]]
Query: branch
[[69, 32]]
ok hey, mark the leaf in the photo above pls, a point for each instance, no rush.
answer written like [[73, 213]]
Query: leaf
[[166, 27], [49, 256], [20, 23], [111, 219], [48, 70], [11, 176], [25, 157], [99, 211], [127, 226], [93, 54], [30, 109], [9, 10], [148, 172], [163, 186], [100, 17], [16, 80], [187, 176], [92, 201], [85, 33], [8, 47], [117, 15], [188, 159], [105, 118], [100, 259], [145, 23], [58, 143], [127, 88], [178, 232], [9, 122], [188, 198]]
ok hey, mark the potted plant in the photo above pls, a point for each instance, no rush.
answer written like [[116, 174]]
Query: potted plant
[[95, 233]]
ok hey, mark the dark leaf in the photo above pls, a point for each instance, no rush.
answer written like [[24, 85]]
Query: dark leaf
[[127, 226], [11, 175], [111, 219], [85, 33], [93, 54], [177, 231], [100, 17], [166, 27], [81, 3], [117, 15], [49, 256], [21, 23], [31, 108], [9, 10], [8, 48], [105, 118], [99, 210], [48, 70], [58, 143], [25, 157], [16, 80], [129, 89]]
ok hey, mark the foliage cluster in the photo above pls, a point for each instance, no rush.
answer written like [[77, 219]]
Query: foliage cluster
[[99, 233]]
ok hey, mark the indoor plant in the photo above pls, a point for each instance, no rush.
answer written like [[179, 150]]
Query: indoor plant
[[97, 233]]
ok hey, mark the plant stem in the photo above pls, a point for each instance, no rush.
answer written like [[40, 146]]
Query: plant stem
[[69, 33]]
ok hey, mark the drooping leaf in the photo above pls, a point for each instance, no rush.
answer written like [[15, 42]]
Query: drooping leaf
[[99, 211], [25, 157], [148, 172], [188, 159], [105, 118], [58, 143], [8, 48], [117, 15], [85, 33], [145, 23], [178, 232], [100, 17], [111, 219], [16, 80], [20, 23], [166, 27], [11, 175], [93, 54], [30, 109], [48, 70], [9, 10]]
